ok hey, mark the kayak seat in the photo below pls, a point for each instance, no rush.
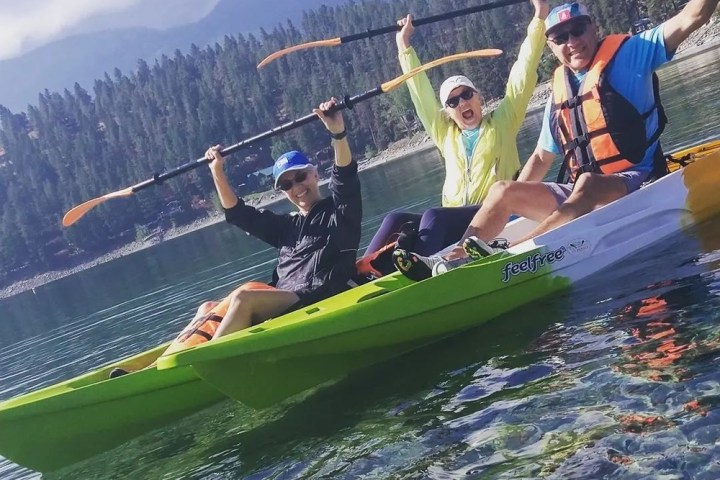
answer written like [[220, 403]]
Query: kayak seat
[[380, 263]]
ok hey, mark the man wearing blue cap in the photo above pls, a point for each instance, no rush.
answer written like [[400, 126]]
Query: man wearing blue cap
[[604, 103], [316, 246]]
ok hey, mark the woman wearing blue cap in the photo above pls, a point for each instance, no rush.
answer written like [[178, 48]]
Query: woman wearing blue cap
[[477, 149], [316, 246]]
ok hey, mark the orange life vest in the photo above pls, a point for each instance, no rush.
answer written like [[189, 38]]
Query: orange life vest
[[203, 328], [598, 129]]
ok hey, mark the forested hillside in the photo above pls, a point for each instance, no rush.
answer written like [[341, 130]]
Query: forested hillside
[[84, 56], [76, 145]]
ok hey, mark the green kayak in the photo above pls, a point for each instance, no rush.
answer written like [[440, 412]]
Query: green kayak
[[77, 419], [368, 324], [283, 356]]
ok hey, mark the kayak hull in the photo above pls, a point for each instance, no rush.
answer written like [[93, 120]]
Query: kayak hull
[[77, 419], [295, 365], [371, 323]]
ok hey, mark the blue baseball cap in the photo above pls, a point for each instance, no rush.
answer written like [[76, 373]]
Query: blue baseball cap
[[564, 13], [290, 161]]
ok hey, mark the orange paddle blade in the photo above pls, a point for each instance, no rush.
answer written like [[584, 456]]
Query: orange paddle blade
[[333, 42], [396, 82], [75, 213]]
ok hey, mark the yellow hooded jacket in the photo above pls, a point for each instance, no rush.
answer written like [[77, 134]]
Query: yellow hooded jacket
[[495, 156]]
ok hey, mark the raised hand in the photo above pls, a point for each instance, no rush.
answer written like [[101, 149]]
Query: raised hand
[[334, 121], [216, 159], [542, 8], [403, 36]]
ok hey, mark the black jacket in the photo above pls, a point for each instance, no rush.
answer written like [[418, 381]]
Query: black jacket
[[317, 252]]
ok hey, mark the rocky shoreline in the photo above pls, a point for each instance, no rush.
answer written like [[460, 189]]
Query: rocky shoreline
[[706, 37]]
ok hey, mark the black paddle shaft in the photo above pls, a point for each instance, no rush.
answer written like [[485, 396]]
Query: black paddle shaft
[[348, 102], [433, 19]]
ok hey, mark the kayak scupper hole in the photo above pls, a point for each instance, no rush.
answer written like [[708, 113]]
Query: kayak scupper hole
[[256, 330], [372, 295], [312, 310]]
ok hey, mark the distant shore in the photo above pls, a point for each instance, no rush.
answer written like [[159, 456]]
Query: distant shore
[[705, 38]]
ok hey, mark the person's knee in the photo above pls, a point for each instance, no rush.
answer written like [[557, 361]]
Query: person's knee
[[242, 296], [504, 192], [499, 189], [433, 212], [394, 219], [431, 217], [205, 307], [586, 183]]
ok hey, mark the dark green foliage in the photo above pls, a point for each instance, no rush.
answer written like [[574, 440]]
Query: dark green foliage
[[75, 145]]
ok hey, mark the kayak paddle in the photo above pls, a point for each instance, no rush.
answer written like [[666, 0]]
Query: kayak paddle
[[75, 213], [334, 42]]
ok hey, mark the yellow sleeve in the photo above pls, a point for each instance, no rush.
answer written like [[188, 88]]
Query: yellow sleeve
[[423, 96], [523, 78]]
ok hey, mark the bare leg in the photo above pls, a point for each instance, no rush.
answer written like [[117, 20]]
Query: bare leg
[[180, 342], [532, 200], [253, 306], [591, 192]]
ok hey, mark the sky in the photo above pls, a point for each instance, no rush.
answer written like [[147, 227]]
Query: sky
[[32, 23]]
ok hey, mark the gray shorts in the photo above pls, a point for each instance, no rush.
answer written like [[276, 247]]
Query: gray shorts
[[632, 178]]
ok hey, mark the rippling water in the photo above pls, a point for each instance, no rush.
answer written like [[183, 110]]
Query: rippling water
[[617, 378]]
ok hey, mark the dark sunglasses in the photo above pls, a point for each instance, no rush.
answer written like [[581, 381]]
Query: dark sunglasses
[[577, 30], [453, 102], [286, 185]]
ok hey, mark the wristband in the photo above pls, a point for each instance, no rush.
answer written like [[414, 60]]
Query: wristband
[[339, 136]]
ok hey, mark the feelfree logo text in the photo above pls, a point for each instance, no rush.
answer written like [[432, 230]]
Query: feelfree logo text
[[532, 263]]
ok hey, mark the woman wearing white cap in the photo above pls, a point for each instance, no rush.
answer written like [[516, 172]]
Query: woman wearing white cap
[[478, 149]]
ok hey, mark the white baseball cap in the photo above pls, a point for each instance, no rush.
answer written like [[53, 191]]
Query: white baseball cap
[[451, 84]]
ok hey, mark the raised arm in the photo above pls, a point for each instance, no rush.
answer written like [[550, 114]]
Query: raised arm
[[695, 14], [263, 224], [335, 124], [228, 199], [546, 151], [537, 165], [344, 181], [523, 74], [423, 96]]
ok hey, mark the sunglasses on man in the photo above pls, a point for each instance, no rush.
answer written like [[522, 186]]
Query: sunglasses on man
[[287, 184], [453, 102], [577, 30]]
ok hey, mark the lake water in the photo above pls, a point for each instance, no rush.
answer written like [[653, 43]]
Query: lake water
[[593, 383]]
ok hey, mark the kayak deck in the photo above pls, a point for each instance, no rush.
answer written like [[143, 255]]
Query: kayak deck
[[89, 414]]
